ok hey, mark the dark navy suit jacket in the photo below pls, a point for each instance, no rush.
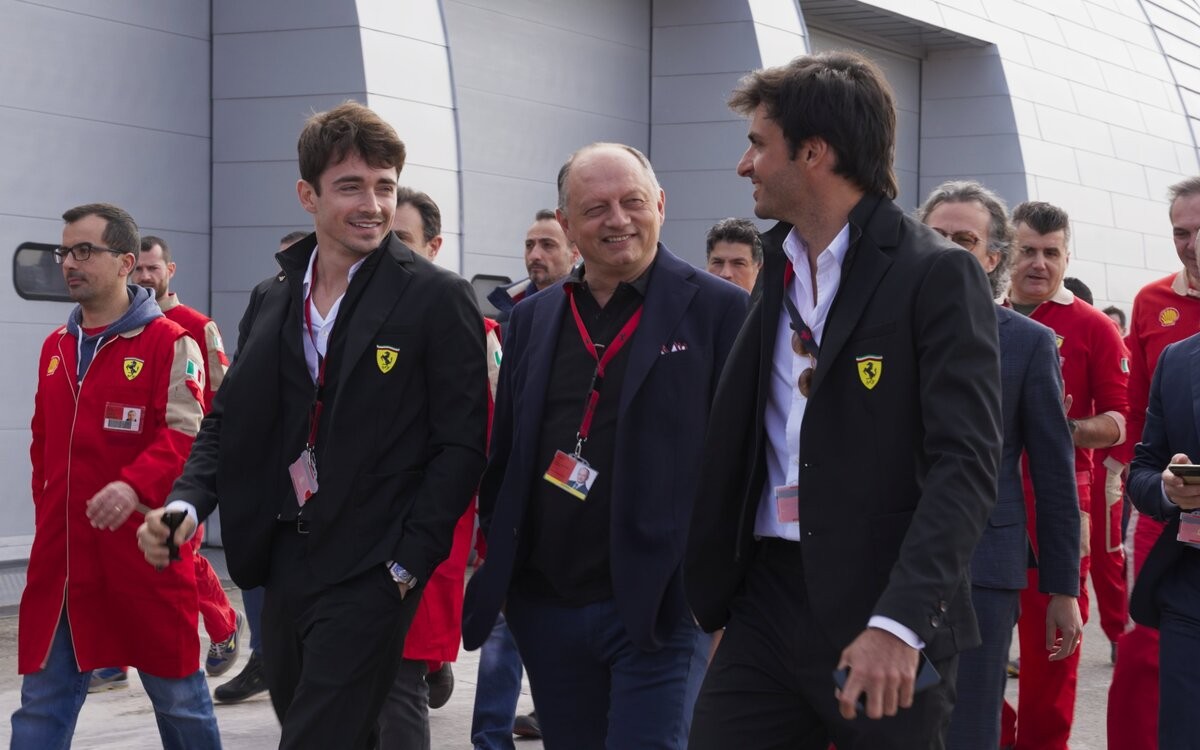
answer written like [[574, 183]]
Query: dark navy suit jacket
[[689, 322], [1172, 416], [1034, 421]]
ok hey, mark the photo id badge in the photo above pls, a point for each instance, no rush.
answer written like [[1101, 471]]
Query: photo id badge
[[571, 473], [304, 476], [1189, 528], [787, 503]]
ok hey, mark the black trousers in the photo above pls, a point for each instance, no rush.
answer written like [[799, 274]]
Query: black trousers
[[330, 652], [771, 683]]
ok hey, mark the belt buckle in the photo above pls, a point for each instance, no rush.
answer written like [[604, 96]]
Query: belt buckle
[[301, 525]]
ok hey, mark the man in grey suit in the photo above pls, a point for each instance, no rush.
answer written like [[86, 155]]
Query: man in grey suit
[[972, 216]]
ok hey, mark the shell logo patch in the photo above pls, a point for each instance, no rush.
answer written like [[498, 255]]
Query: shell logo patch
[[1168, 317], [52, 367], [1059, 341], [870, 369], [385, 357], [132, 367]]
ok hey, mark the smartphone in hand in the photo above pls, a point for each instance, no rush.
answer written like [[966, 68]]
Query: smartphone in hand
[[1189, 473]]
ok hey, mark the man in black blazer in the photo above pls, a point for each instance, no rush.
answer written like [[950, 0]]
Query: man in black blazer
[[1166, 594], [1035, 424], [591, 586], [346, 440], [853, 446]]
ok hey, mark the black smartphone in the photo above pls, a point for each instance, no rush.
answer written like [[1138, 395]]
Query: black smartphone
[[927, 677], [1190, 473]]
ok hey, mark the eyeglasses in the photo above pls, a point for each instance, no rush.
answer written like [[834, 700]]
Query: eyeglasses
[[965, 239], [82, 252]]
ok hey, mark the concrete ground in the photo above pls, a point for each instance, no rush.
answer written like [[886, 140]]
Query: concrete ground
[[123, 720]]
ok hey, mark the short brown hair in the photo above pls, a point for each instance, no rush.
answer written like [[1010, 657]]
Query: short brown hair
[[120, 234], [148, 243], [1182, 189], [1043, 218], [329, 137], [431, 215], [840, 97]]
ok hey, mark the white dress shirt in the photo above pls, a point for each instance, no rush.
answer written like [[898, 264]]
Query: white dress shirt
[[322, 327], [785, 403]]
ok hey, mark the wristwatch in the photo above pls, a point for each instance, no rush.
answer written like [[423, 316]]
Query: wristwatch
[[400, 575]]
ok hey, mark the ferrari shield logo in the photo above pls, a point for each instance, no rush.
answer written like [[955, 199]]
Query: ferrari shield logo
[[385, 357], [870, 369], [132, 367]]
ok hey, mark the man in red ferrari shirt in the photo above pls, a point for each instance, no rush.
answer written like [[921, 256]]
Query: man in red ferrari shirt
[[1164, 312]]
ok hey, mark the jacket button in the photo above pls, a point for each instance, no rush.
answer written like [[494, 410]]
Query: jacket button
[[935, 621], [942, 607]]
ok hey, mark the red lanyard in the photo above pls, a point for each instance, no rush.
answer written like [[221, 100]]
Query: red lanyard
[[610, 352], [314, 418]]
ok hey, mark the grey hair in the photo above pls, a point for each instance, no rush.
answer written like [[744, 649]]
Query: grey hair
[[565, 172], [1182, 189], [1001, 235]]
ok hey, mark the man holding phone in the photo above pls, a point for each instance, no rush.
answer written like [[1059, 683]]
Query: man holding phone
[[1166, 594]]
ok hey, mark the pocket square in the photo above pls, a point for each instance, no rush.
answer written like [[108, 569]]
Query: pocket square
[[677, 346]]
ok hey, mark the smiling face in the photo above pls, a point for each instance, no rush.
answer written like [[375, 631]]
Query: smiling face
[[614, 213], [1040, 265], [1185, 223], [354, 208], [776, 175]]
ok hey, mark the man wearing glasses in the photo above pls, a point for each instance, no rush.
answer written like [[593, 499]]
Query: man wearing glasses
[[1095, 367], [118, 404], [1034, 422]]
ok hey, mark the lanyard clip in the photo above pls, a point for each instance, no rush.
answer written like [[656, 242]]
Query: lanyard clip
[[579, 441]]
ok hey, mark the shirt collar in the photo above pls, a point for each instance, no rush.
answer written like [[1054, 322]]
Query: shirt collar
[[169, 301], [795, 248], [1180, 285], [312, 260], [638, 285], [1063, 296]]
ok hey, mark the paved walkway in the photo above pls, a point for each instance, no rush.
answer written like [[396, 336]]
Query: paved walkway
[[123, 720]]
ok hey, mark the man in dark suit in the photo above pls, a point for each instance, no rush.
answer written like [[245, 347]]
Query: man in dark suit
[[346, 440], [1035, 424], [613, 370], [1166, 594], [866, 424]]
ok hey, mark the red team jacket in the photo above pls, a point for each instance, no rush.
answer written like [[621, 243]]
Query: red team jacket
[[132, 418]]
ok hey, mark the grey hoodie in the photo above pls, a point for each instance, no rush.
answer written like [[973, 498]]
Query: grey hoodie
[[142, 310]]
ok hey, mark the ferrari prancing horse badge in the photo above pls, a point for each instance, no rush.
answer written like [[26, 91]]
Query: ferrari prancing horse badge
[[385, 357], [870, 369]]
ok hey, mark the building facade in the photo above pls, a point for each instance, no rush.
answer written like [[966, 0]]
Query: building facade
[[186, 113]]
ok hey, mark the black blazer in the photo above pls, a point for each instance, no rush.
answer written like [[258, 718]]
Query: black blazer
[[661, 418], [403, 449], [1172, 416], [896, 481]]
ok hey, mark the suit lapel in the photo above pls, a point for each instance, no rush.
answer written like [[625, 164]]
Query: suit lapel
[[863, 269], [383, 292], [544, 326], [668, 295]]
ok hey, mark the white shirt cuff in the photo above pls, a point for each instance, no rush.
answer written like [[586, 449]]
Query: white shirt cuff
[[188, 508], [886, 623]]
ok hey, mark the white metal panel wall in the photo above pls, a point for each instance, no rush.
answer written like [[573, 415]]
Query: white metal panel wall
[[535, 80], [701, 50], [101, 102]]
